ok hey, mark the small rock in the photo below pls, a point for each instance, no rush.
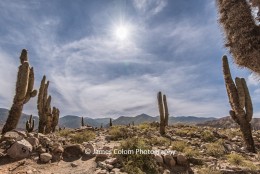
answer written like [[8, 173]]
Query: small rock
[[158, 159], [74, 165], [109, 166], [166, 171], [33, 141], [167, 158], [111, 161], [102, 165], [20, 149], [89, 148], [181, 160], [45, 157], [29, 172]]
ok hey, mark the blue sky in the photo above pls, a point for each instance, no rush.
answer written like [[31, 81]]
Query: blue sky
[[171, 46]]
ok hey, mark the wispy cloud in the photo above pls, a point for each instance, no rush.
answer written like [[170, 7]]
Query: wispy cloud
[[98, 75]]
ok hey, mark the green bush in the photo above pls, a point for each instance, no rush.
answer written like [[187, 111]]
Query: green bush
[[81, 137], [215, 149], [235, 159], [137, 163], [207, 136], [179, 145], [118, 132]]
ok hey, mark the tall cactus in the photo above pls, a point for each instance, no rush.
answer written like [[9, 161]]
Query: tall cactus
[[242, 34], [163, 110], [241, 104], [30, 124], [24, 92], [43, 105]]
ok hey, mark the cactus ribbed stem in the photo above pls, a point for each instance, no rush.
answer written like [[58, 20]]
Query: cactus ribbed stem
[[241, 104]]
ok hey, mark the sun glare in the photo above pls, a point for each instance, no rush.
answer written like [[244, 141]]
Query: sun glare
[[122, 32]]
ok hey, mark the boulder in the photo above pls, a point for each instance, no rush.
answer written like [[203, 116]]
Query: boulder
[[75, 150], [12, 135], [33, 141], [20, 149], [169, 161], [158, 159], [45, 157], [182, 160]]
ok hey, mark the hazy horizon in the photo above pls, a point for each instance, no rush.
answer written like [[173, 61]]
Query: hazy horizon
[[108, 58]]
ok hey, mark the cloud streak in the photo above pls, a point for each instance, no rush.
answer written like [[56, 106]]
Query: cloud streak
[[98, 75]]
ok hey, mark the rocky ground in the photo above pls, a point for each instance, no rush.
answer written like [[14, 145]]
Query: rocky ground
[[184, 149]]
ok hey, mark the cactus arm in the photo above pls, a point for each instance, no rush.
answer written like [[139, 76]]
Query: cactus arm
[[22, 79], [231, 88], [242, 34], [166, 112], [248, 102], [30, 92], [240, 91], [160, 105]]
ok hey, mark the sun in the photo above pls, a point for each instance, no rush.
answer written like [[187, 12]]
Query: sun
[[122, 32]]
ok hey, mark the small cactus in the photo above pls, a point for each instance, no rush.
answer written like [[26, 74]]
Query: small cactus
[[30, 124], [110, 122], [163, 110], [241, 104], [24, 92], [82, 122]]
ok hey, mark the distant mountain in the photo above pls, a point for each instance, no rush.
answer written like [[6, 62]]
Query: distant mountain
[[228, 122], [72, 121], [123, 120], [21, 124]]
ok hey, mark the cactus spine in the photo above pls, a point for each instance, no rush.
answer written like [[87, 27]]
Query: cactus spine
[[24, 92], [241, 104], [163, 110], [30, 124], [110, 122], [242, 34]]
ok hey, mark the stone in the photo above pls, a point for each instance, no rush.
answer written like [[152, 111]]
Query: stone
[[111, 161], [56, 152], [74, 165], [169, 161], [166, 171], [20, 149], [75, 150], [109, 166], [33, 141], [45, 157], [12, 135], [29, 172], [89, 148], [181, 160], [102, 165], [158, 158]]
